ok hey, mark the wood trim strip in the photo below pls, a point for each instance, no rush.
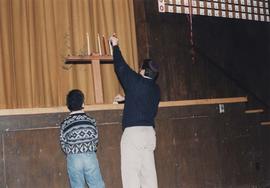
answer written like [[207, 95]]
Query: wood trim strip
[[254, 111], [204, 101], [97, 107], [265, 123]]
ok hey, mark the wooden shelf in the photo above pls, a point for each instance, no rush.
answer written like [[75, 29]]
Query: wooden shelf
[[104, 59]]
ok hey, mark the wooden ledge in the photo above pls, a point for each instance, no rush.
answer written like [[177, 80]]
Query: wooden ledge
[[265, 123], [97, 107], [204, 101], [254, 111]]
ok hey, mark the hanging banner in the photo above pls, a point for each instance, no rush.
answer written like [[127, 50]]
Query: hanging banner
[[257, 10]]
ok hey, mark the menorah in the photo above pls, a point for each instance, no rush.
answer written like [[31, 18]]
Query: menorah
[[103, 56]]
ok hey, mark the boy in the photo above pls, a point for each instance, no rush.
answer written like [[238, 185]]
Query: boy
[[79, 139]]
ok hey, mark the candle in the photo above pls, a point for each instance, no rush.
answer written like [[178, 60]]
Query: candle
[[88, 44], [99, 45], [104, 45], [110, 46]]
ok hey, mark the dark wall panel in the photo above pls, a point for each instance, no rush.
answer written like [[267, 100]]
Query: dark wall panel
[[165, 154], [34, 159], [109, 153], [196, 147], [241, 48], [2, 167], [238, 149], [265, 166], [232, 56], [194, 153]]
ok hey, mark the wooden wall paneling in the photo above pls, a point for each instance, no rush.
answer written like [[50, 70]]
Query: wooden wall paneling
[[106, 116], [238, 152], [200, 155], [2, 166], [265, 132], [197, 152], [109, 153], [233, 46], [19, 122], [186, 111], [261, 156], [241, 47], [156, 35], [34, 159], [196, 147], [30, 130], [166, 163], [142, 33], [173, 57]]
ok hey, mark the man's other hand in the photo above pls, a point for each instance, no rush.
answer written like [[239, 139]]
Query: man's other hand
[[114, 40]]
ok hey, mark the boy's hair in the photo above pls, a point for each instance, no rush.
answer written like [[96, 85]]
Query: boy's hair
[[75, 100], [151, 68]]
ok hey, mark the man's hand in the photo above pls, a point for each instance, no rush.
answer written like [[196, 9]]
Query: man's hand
[[114, 40], [118, 99]]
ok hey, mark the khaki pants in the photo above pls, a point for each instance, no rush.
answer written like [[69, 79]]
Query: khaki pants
[[137, 157]]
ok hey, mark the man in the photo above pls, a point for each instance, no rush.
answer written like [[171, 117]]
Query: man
[[79, 139], [138, 141]]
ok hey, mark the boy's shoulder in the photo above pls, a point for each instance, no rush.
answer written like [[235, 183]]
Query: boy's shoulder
[[81, 116], [65, 120], [91, 119], [78, 117]]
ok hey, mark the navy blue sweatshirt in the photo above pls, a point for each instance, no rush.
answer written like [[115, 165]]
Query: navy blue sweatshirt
[[141, 94]]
